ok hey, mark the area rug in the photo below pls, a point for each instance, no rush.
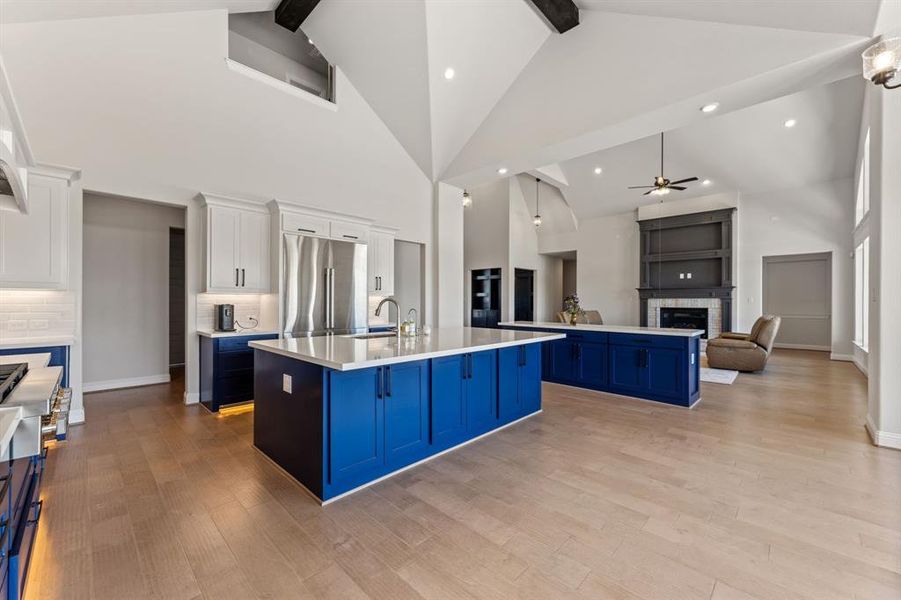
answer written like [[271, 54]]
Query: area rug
[[724, 376]]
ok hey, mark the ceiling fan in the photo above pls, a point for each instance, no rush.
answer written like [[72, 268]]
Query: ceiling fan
[[662, 185]]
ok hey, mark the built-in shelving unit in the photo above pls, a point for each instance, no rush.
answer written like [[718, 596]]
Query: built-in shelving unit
[[486, 297], [687, 256]]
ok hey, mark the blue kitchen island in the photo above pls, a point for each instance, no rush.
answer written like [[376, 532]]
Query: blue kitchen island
[[644, 362], [340, 412]]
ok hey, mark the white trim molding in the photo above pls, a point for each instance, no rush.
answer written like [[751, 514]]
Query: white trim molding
[[803, 347], [842, 357], [116, 384], [884, 439], [76, 417], [192, 397]]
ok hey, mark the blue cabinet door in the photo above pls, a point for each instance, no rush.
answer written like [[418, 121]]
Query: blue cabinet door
[[530, 379], [591, 364], [448, 407], [627, 372], [406, 398], [508, 384], [481, 392], [665, 367], [356, 426], [561, 355]]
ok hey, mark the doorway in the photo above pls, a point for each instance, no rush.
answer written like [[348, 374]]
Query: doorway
[[176, 297], [524, 295], [798, 288]]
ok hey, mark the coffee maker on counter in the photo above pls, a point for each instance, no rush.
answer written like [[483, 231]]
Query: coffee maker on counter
[[225, 317]]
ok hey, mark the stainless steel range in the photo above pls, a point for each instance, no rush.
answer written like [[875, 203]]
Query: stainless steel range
[[44, 403]]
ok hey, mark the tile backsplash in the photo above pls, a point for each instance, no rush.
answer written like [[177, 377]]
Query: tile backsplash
[[246, 306], [29, 314]]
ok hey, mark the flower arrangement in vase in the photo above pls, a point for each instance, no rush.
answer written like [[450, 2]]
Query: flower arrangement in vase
[[572, 308]]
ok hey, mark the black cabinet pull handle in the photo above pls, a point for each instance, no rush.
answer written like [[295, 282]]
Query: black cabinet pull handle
[[302, 230], [350, 237], [236, 276], [378, 382], [387, 382], [243, 279]]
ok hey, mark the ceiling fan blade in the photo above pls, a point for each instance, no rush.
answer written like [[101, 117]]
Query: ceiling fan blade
[[684, 180], [640, 187], [676, 187], [648, 192]]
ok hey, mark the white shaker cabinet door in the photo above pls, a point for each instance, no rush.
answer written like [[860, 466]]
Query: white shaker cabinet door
[[223, 226], [386, 257], [34, 247], [254, 252]]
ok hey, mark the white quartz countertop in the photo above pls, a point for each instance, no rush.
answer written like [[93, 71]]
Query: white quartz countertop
[[35, 361], [241, 332], [346, 353], [34, 391], [607, 328], [9, 421], [35, 342]]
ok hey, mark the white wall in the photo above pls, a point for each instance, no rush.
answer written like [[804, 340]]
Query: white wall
[[816, 218], [126, 300], [167, 124], [486, 242], [607, 274], [408, 278], [448, 255]]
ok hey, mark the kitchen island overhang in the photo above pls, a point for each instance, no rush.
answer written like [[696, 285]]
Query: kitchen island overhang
[[339, 413]]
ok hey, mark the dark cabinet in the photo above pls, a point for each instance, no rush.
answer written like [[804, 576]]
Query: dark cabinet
[[481, 392], [655, 372], [226, 369], [406, 400], [580, 359]]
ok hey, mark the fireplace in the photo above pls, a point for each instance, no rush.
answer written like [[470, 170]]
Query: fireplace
[[684, 318]]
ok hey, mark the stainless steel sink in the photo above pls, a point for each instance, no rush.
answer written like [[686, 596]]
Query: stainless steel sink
[[378, 334]]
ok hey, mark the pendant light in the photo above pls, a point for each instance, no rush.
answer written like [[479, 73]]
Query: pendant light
[[536, 220], [882, 63], [467, 199]]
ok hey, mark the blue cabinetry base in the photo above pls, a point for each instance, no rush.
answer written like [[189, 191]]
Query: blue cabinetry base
[[338, 431], [226, 370], [662, 368]]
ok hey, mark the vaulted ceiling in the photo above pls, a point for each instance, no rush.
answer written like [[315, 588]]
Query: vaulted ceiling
[[524, 97]]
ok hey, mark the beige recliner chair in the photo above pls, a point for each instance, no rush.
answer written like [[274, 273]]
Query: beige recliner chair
[[744, 351]]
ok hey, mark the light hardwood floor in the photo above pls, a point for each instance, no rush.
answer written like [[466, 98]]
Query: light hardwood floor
[[767, 489]]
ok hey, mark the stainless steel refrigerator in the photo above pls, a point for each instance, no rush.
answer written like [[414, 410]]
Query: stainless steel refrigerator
[[325, 286]]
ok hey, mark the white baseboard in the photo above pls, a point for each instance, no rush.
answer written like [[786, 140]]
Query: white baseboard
[[842, 357], [115, 384], [76, 416], [884, 439], [862, 368], [803, 347], [192, 397]]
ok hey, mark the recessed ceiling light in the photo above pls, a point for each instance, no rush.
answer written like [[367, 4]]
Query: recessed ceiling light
[[598, 170], [502, 171], [449, 73], [709, 108], [706, 182], [790, 123]]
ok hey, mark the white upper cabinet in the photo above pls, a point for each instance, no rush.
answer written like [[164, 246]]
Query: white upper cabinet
[[381, 261], [34, 246], [237, 250]]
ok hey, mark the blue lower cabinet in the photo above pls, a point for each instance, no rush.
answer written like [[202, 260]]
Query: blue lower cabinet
[[481, 392], [356, 426], [406, 401], [448, 402], [226, 369], [23, 540], [655, 367], [627, 373], [591, 364], [519, 381]]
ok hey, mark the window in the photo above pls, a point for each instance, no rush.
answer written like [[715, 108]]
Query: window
[[863, 182], [862, 293]]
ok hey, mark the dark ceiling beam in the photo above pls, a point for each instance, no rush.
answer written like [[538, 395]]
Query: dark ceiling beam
[[291, 13], [562, 14]]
